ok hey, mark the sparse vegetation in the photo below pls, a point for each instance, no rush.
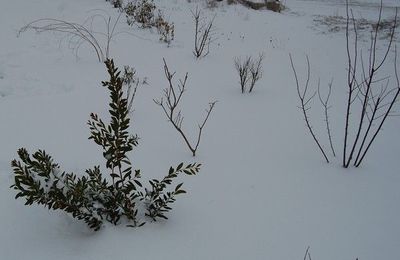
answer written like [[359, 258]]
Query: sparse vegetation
[[249, 71], [79, 34], [170, 105], [203, 34], [131, 82], [143, 13], [140, 12], [92, 197], [371, 97]]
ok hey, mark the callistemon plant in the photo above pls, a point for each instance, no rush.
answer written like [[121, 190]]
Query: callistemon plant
[[93, 197]]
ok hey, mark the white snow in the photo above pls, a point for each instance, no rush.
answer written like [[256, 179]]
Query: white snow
[[264, 191]]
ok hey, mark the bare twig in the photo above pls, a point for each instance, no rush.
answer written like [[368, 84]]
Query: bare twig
[[243, 69], [371, 100], [304, 101], [203, 34], [250, 71], [256, 71], [307, 255], [325, 104], [388, 110], [169, 105], [351, 77], [131, 82]]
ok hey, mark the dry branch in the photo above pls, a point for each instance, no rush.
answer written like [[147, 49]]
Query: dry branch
[[203, 34], [304, 103], [326, 106], [170, 105]]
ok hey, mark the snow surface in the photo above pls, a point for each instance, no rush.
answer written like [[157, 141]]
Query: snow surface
[[264, 191]]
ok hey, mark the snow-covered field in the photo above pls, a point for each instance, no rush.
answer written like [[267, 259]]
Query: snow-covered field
[[264, 191]]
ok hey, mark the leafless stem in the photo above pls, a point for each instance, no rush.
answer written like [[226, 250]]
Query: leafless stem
[[131, 82], [243, 69], [169, 105], [387, 113], [325, 104], [370, 99], [307, 255], [256, 71], [203, 34], [351, 77], [304, 101]]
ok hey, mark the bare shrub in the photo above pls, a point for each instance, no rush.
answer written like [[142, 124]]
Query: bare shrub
[[79, 34], [202, 35], [243, 68], [131, 82], [376, 97], [371, 97], [305, 99], [170, 105], [255, 71], [249, 71]]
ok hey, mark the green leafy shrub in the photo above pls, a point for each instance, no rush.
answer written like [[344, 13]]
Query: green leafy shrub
[[92, 197]]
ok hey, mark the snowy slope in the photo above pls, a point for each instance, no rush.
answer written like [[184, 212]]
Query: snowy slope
[[264, 191]]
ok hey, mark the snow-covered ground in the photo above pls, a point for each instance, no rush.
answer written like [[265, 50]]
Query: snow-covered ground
[[264, 191]]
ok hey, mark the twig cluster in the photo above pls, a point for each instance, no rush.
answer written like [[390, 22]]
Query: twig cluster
[[203, 34], [372, 91], [250, 71], [131, 82], [170, 105], [305, 99], [307, 255], [370, 97]]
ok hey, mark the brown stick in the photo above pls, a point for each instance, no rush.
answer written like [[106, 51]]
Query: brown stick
[[304, 102], [172, 97]]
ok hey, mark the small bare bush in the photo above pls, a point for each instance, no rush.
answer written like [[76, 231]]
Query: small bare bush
[[243, 68], [170, 105], [203, 34], [249, 71], [131, 82]]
